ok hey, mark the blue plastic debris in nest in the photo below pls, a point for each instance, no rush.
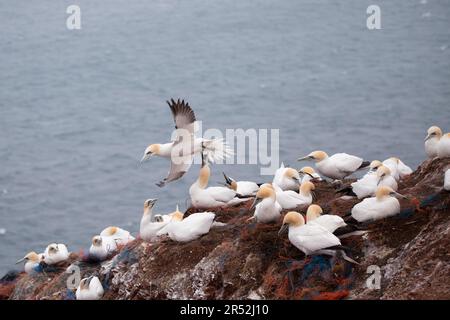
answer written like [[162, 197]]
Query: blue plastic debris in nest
[[70, 295]]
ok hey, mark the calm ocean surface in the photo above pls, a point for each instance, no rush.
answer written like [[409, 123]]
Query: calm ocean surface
[[78, 108]]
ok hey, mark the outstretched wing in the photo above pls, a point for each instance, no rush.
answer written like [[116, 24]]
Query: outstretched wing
[[177, 170], [183, 115]]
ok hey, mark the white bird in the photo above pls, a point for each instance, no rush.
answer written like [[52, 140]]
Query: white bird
[[434, 134], [55, 253], [383, 205], [120, 236], [309, 174], [311, 238], [102, 247], [338, 166], [89, 289], [330, 222], [447, 180], [286, 178], [369, 183], [399, 170], [190, 228], [185, 145], [243, 188], [32, 261], [290, 199], [267, 209], [443, 148], [204, 197]]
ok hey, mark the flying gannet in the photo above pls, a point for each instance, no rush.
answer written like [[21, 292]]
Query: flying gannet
[[338, 166], [383, 205], [434, 134], [185, 145], [89, 289]]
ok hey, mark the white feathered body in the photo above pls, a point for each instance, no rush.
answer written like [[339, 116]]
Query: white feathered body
[[94, 292], [339, 165], [61, 255], [190, 228], [374, 208], [310, 238]]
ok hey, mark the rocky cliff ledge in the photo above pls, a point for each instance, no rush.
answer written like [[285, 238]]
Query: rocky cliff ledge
[[241, 260]]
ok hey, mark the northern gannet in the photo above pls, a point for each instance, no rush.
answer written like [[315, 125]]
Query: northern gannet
[[32, 262], [311, 238], [204, 197], [330, 222], [338, 166], [398, 169], [185, 145], [383, 205], [243, 188], [102, 247], [369, 183], [267, 209], [443, 148], [89, 289], [290, 199], [286, 178], [447, 180], [190, 228], [309, 174], [55, 253], [120, 236], [434, 134], [150, 225]]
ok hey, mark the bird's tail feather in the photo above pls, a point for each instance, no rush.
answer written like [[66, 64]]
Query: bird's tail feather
[[217, 150]]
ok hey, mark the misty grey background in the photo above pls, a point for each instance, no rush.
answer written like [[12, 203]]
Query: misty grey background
[[77, 108]]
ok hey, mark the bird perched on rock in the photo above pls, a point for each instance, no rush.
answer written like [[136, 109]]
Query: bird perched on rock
[[443, 147], [185, 145], [267, 209], [55, 253], [338, 166], [290, 199], [330, 222], [190, 228], [102, 247], [120, 236], [286, 178], [89, 289], [242, 188], [32, 262], [398, 169], [383, 205], [311, 238], [434, 134]]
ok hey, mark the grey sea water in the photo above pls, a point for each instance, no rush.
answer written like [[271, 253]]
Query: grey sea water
[[77, 108]]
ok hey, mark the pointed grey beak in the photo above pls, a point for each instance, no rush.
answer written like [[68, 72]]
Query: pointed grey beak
[[227, 179], [399, 195], [304, 158], [20, 260], [427, 137], [255, 203], [146, 157], [306, 173], [283, 229]]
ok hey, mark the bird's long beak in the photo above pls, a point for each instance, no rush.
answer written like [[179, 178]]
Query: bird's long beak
[[20, 260], [309, 174], [283, 229], [227, 179], [427, 137], [146, 157], [255, 202], [304, 158], [400, 195], [379, 180]]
